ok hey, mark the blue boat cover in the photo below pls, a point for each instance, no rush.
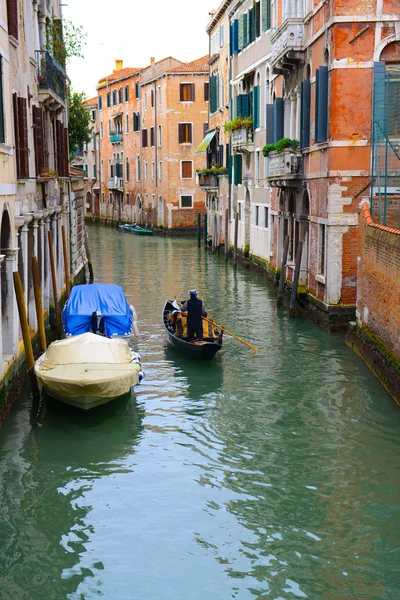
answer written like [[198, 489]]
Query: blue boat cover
[[108, 299]]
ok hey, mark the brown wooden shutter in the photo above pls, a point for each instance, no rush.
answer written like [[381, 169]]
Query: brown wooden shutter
[[37, 114], [190, 134], [12, 14], [66, 153], [22, 146], [206, 91], [45, 141], [16, 133], [193, 94], [59, 144], [181, 88], [180, 133]]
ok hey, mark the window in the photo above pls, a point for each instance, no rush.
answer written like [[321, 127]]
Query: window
[[21, 138], [257, 215], [102, 171], [101, 130], [137, 90], [186, 169], [93, 115], [127, 169], [266, 214], [94, 171], [153, 199], [110, 198], [152, 98], [221, 36], [108, 99], [138, 169], [257, 168], [187, 92], [144, 138], [240, 211], [185, 133], [86, 170], [127, 199], [153, 174], [12, 12], [103, 197], [127, 123], [145, 101], [120, 96], [114, 94], [100, 102], [257, 19], [159, 95], [127, 93], [321, 250], [206, 91], [186, 201], [160, 170], [159, 136], [136, 121], [152, 136], [146, 170]]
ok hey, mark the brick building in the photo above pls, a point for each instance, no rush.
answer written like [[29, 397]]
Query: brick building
[[149, 122]]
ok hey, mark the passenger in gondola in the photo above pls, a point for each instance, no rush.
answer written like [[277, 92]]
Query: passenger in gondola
[[194, 307]]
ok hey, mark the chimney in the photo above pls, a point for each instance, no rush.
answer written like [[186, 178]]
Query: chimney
[[152, 60], [118, 64]]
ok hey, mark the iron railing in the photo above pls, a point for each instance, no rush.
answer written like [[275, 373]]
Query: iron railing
[[51, 75]]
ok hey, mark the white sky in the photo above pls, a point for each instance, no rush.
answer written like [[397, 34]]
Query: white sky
[[134, 31]]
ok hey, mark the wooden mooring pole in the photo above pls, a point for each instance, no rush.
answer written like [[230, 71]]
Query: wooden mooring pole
[[89, 258], [38, 303], [198, 230], [282, 277], [19, 292], [292, 307], [54, 280], [226, 241], [236, 238], [66, 261], [205, 230]]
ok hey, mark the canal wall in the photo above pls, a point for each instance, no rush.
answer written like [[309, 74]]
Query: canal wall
[[376, 334]]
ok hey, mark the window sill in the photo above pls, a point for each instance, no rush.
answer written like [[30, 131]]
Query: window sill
[[6, 149], [13, 41], [320, 279], [186, 208]]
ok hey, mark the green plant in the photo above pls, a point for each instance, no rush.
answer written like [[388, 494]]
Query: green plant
[[79, 130], [280, 146], [214, 170], [238, 123], [65, 40]]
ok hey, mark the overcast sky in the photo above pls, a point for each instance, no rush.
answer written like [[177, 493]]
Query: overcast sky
[[134, 31]]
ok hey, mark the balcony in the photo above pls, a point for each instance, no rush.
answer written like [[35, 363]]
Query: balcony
[[116, 137], [242, 140], [51, 80], [116, 183], [287, 45], [285, 169], [208, 182]]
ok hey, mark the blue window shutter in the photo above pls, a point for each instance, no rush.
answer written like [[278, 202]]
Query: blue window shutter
[[108, 99], [269, 127], [278, 119], [235, 40], [266, 15], [237, 164], [245, 31], [305, 97], [323, 104], [100, 102], [230, 39], [256, 107], [229, 162]]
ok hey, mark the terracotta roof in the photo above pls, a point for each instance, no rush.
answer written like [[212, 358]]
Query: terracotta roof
[[370, 223], [91, 102], [117, 75], [199, 65]]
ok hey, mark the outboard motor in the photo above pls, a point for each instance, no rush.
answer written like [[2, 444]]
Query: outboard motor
[[97, 323]]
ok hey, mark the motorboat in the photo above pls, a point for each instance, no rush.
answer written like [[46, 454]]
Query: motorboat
[[99, 308], [176, 328], [135, 228], [88, 370]]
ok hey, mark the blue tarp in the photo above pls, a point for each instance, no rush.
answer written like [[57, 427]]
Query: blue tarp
[[108, 299]]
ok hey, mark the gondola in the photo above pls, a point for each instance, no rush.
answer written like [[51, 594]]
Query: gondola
[[201, 350]]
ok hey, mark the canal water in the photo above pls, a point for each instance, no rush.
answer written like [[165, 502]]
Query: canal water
[[269, 476]]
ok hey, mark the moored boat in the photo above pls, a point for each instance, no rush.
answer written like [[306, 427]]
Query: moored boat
[[176, 328], [99, 308], [88, 370], [134, 228]]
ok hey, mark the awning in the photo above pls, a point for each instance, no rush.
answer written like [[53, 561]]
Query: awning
[[118, 114], [206, 142]]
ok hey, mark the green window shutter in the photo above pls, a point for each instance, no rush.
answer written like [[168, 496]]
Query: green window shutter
[[229, 159], [322, 101], [237, 165], [239, 106], [256, 107], [252, 24], [305, 96], [213, 93], [235, 36], [218, 91], [231, 109], [245, 31], [266, 15], [241, 34], [245, 105], [2, 128], [86, 170], [269, 124], [316, 120], [137, 90], [257, 18]]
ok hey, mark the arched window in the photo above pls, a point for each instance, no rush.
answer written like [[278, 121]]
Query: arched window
[[127, 169]]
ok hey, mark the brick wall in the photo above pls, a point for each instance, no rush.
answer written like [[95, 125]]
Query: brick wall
[[378, 296]]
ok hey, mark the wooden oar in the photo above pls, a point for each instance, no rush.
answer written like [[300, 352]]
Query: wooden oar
[[231, 334]]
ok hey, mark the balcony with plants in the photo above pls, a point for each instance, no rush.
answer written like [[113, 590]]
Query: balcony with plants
[[208, 178], [285, 162], [52, 80], [241, 131], [116, 137]]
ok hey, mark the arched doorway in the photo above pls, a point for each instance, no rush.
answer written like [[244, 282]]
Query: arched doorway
[[160, 212], [89, 203]]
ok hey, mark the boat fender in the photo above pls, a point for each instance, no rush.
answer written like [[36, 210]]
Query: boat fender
[[141, 376]]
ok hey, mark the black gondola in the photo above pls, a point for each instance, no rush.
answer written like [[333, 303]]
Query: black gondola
[[200, 350]]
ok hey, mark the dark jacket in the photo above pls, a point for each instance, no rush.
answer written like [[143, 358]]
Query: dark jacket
[[195, 310]]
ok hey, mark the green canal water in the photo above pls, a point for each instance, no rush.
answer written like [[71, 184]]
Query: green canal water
[[270, 476]]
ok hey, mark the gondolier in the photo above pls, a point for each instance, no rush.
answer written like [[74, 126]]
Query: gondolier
[[194, 307]]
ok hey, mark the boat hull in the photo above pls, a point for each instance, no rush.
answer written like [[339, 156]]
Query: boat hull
[[85, 402], [202, 350]]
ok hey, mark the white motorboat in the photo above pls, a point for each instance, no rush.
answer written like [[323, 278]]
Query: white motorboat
[[88, 370]]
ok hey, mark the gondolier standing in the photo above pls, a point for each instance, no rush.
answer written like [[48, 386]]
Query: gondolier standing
[[195, 311]]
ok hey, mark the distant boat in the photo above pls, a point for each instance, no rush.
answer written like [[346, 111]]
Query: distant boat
[[177, 334], [88, 370], [133, 228], [101, 308]]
